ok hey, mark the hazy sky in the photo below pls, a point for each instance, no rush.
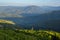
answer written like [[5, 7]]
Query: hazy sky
[[29, 2]]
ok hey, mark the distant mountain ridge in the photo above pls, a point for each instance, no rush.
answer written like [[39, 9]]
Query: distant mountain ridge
[[17, 11]]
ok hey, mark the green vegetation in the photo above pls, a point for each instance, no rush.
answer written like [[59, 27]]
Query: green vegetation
[[7, 34], [12, 32]]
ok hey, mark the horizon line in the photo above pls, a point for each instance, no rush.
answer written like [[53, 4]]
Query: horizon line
[[30, 5]]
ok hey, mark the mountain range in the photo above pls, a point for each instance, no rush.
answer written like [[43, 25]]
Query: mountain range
[[19, 11]]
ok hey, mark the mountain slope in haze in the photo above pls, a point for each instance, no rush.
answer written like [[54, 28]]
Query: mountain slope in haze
[[17, 11], [47, 21]]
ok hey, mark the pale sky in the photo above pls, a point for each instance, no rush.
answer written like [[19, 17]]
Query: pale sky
[[29, 2]]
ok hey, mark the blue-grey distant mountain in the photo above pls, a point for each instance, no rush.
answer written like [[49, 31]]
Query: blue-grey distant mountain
[[19, 11], [47, 21]]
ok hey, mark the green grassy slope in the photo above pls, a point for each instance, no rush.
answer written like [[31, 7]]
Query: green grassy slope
[[8, 34]]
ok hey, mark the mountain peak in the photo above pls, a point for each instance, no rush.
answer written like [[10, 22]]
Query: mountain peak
[[33, 6]]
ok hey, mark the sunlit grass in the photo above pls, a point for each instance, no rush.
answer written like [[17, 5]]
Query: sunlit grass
[[28, 34], [6, 21]]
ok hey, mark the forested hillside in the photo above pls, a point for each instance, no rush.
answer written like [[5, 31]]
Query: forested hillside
[[13, 32]]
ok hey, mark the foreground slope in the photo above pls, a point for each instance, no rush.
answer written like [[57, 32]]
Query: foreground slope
[[8, 34]]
